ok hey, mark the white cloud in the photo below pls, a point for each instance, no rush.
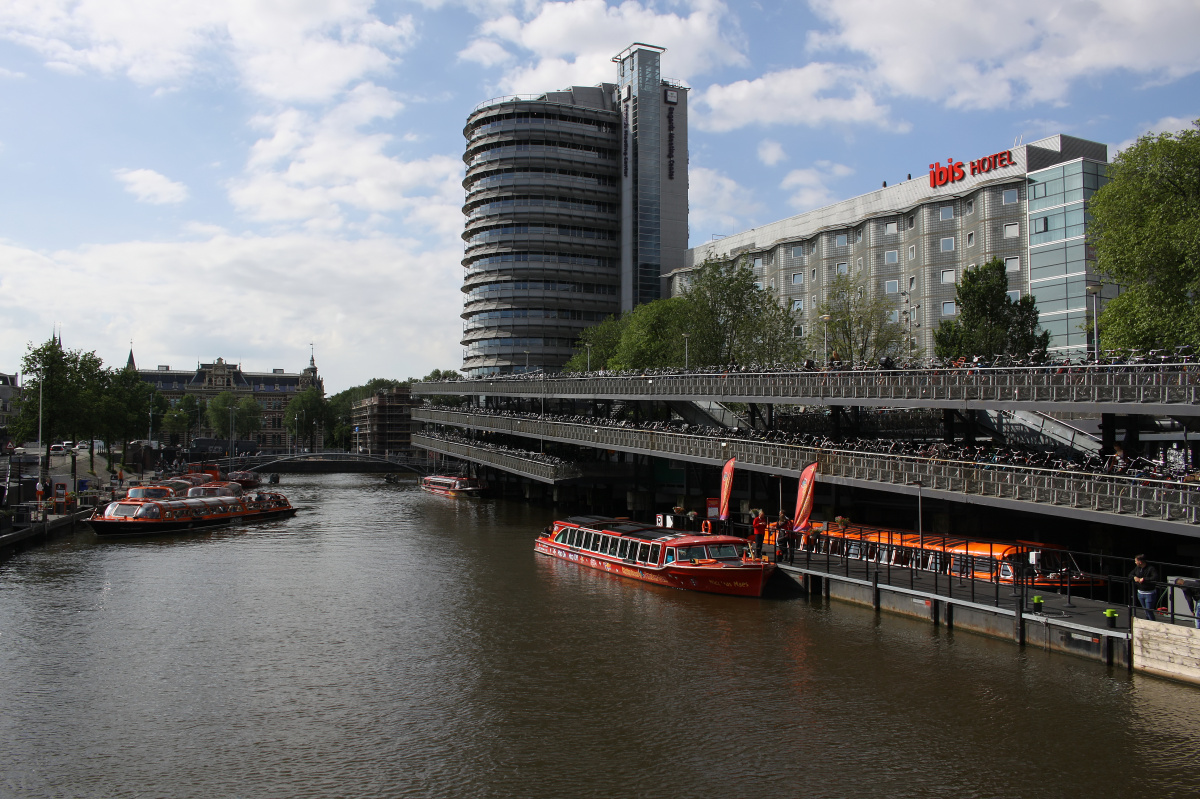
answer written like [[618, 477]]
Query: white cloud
[[383, 306], [284, 51], [814, 95], [314, 169], [983, 54], [810, 187], [771, 152], [573, 42], [485, 52], [151, 187], [718, 204], [1164, 125], [8, 73]]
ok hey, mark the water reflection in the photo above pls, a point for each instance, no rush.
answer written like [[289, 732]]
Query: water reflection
[[388, 642]]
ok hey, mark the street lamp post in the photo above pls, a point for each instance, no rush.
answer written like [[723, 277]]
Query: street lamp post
[[589, 348], [526, 360], [1094, 289], [825, 353], [685, 350], [232, 440]]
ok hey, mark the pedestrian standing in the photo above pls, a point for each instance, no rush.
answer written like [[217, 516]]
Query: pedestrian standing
[[787, 536], [759, 526], [1145, 582], [1191, 595]]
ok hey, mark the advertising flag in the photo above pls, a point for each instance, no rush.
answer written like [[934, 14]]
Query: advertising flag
[[726, 488], [804, 498]]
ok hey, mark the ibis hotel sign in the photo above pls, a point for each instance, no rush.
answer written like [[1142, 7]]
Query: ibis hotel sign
[[955, 171]]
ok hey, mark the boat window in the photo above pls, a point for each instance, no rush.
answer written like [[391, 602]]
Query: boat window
[[643, 552], [583, 542], [575, 536], [654, 549], [723, 551], [610, 547], [623, 549], [670, 555], [562, 536], [597, 543], [147, 512], [122, 509], [695, 552]]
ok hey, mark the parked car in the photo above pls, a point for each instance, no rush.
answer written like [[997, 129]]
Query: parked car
[[81, 447], [58, 449]]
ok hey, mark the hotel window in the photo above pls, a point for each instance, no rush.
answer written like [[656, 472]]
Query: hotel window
[[861, 291], [843, 268], [894, 316], [891, 227], [912, 252], [814, 275], [912, 221], [947, 212], [758, 262], [1012, 264], [758, 285], [947, 275], [772, 284], [840, 240], [947, 309], [797, 278], [970, 208], [971, 239], [891, 257], [912, 283], [891, 287], [858, 236], [798, 331], [1012, 231], [1039, 190], [798, 252], [1009, 197], [1014, 295], [814, 302], [859, 264], [948, 244], [798, 305], [1040, 225]]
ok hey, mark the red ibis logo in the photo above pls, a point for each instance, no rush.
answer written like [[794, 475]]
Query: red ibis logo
[[953, 171]]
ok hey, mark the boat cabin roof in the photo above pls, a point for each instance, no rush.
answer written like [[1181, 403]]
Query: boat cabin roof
[[646, 532]]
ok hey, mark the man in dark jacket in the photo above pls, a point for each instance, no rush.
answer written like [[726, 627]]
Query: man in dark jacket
[[1191, 595], [1145, 579]]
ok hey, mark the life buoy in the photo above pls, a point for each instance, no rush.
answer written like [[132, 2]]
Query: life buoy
[[706, 527]]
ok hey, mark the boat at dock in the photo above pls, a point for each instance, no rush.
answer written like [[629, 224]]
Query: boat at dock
[[452, 486], [206, 508], [713, 564]]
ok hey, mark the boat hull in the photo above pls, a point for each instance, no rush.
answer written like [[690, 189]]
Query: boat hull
[[128, 528], [452, 492], [744, 579]]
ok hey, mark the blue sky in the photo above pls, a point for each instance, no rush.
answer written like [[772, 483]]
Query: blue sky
[[242, 178]]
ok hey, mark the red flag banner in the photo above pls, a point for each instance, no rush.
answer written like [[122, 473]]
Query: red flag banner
[[726, 488], [804, 498]]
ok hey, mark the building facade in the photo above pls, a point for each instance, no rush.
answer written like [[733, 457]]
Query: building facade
[[271, 390], [567, 220], [10, 390], [911, 242], [383, 422]]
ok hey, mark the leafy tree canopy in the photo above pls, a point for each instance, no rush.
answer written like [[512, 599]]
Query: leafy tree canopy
[[860, 325], [1145, 228], [989, 323]]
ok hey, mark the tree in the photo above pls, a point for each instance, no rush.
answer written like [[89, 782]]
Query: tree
[[604, 338], [1145, 228], [860, 326], [305, 413], [246, 414], [125, 408], [989, 323], [652, 335], [247, 417], [736, 321]]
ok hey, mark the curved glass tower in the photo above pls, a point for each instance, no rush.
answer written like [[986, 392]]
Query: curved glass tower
[[542, 227]]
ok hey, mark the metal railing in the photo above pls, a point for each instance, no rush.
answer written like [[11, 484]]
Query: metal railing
[[1174, 385], [545, 472], [1168, 501]]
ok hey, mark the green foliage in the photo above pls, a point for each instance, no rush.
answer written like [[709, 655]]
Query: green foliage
[[443, 374], [989, 323], [604, 338], [727, 319], [306, 411], [860, 328], [245, 412], [1145, 228]]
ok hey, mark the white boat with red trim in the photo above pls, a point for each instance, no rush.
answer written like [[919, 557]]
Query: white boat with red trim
[[452, 486], [714, 564]]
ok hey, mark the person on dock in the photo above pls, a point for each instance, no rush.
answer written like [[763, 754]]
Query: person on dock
[[1145, 582], [1191, 595], [787, 537], [759, 527]]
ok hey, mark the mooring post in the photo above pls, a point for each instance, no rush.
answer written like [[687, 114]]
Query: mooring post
[[875, 588]]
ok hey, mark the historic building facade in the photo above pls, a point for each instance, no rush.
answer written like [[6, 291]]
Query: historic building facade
[[576, 207], [911, 241], [271, 390]]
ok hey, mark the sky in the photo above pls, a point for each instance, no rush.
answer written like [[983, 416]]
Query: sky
[[264, 179]]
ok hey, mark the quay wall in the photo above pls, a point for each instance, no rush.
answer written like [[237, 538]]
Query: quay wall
[[1167, 650]]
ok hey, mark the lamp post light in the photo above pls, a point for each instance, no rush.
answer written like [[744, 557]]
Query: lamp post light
[[1094, 289], [589, 348], [685, 350], [825, 355], [526, 360]]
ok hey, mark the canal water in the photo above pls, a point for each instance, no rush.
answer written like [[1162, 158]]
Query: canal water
[[391, 643]]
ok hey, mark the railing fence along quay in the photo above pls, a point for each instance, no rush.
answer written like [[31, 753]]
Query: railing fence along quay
[[1156, 390], [542, 472], [1115, 499]]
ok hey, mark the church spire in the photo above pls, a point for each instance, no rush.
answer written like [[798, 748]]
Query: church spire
[[131, 364]]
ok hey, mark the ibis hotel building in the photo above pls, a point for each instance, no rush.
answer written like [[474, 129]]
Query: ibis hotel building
[[576, 209], [911, 241]]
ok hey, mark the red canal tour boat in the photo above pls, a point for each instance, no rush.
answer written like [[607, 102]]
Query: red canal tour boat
[[452, 486], [709, 563]]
